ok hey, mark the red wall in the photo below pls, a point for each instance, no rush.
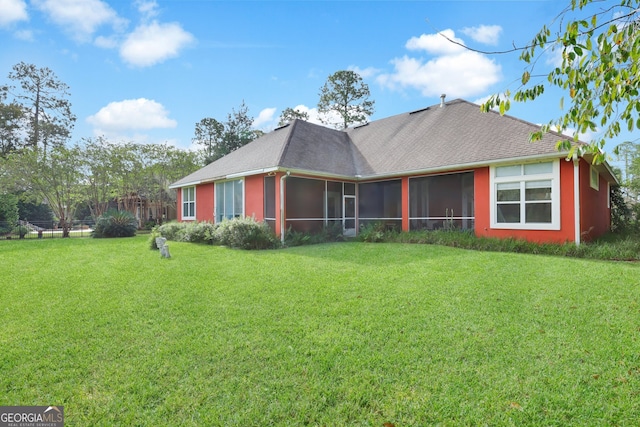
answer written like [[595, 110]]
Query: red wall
[[595, 215], [405, 203], [254, 197], [482, 210], [204, 202]]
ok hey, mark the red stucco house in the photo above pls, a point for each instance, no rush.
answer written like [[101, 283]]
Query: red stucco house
[[448, 164]]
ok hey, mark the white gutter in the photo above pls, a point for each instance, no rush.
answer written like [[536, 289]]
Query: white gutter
[[187, 184], [282, 221], [576, 198], [251, 172]]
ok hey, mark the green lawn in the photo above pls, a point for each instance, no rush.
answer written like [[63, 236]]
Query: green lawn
[[327, 335]]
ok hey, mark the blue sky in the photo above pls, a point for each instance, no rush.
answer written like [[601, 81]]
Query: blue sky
[[149, 70]]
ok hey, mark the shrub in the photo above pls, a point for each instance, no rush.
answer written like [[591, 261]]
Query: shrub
[[115, 224], [330, 233], [241, 233], [21, 231], [373, 233], [173, 230], [152, 238], [200, 232], [246, 233]]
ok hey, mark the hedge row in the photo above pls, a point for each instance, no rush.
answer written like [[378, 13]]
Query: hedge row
[[240, 233]]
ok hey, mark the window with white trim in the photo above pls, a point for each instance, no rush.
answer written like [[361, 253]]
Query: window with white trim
[[189, 203], [526, 196], [594, 178], [229, 199]]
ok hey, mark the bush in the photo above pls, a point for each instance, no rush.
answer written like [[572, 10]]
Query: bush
[[375, 232], [246, 233], [152, 238], [115, 224], [241, 233], [330, 233], [172, 230], [21, 231]]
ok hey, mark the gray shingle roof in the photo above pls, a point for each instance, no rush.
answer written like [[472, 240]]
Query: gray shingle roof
[[435, 138]]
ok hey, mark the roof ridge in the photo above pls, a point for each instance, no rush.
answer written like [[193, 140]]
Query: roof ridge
[[285, 147]]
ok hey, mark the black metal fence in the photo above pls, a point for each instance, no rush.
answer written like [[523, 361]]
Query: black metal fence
[[43, 230]]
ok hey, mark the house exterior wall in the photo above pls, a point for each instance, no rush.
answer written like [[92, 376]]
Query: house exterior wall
[[179, 204], [566, 233], [405, 203], [204, 202], [595, 212], [254, 197]]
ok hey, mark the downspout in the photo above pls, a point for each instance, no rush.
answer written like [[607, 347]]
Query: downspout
[[576, 198], [282, 221]]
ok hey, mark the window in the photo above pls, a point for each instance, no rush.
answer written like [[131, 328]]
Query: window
[[526, 196], [189, 203], [229, 199], [594, 178]]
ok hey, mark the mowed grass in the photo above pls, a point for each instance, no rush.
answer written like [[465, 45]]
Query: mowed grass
[[327, 335]]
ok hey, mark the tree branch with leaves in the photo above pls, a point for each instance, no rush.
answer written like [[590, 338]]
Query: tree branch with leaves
[[599, 72]]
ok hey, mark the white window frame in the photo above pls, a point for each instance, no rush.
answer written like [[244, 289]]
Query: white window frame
[[553, 176], [185, 191], [594, 178], [221, 184]]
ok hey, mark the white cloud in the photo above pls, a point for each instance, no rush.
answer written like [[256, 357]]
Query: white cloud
[[553, 56], [148, 8], [436, 44], [365, 73], [12, 11], [81, 18], [131, 114], [106, 42], [26, 35], [453, 70], [265, 117], [153, 43], [486, 34]]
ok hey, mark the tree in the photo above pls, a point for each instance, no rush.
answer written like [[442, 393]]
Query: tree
[[290, 114], [100, 172], [238, 130], [210, 133], [8, 212], [42, 97], [628, 152], [167, 165], [11, 116], [219, 139], [55, 177], [347, 95], [600, 72]]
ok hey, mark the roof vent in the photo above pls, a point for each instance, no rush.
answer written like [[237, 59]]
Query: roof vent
[[283, 126], [442, 97], [361, 125], [419, 111]]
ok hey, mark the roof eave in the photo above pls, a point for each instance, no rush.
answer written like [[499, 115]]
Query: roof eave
[[462, 166]]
